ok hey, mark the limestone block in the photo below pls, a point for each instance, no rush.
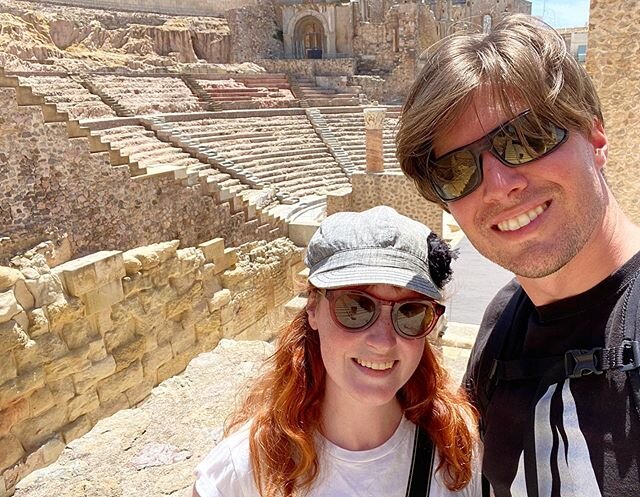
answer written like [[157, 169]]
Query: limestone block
[[132, 265], [212, 250], [190, 259], [209, 332], [232, 278], [185, 302], [74, 362], [183, 342], [8, 367], [109, 408], [97, 350], [137, 394], [38, 323], [11, 452], [63, 389], [136, 282], [78, 333], [182, 284], [101, 322], [20, 386], [210, 281], [119, 336], [12, 336], [161, 274], [45, 348], [173, 367], [9, 306], [76, 429], [220, 299], [102, 298], [65, 309], [90, 272], [129, 352], [46, 454], [9, 277], [112, 386], [153, 359], [82, 404], [45, 289], [23, 295], [89, 378], [157, 297], [40, 401], [33, 432], [16, 412], [229, 259], [152, 255]]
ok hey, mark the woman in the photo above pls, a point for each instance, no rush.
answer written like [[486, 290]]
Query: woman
[[353, 377]]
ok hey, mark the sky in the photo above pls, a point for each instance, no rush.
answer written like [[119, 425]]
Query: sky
[[562, 13]]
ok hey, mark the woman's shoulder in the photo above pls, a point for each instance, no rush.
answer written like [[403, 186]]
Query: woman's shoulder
[[226, 470]]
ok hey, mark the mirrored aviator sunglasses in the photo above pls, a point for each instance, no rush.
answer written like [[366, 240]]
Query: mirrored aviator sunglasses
[[519, 141], [355, 311]]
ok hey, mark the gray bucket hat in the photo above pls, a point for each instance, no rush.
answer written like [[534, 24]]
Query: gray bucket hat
[[376, 246]]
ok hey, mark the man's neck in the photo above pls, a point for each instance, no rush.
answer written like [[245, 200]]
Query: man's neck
[[608, 249]]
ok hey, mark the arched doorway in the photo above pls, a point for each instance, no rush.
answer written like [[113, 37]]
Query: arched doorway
[[309, 38]]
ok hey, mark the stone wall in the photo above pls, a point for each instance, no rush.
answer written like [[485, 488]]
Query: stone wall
[[310, 67], [390, 188], [612, 61], [94, 335], [255, 34], [54, 188], [192, 7]]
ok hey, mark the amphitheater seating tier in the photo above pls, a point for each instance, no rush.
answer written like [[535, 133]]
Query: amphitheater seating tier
[[68, 95], [283, 151], [147, 95], [254, 91]]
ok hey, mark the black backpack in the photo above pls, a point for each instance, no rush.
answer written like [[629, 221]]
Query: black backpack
[[496, 365]]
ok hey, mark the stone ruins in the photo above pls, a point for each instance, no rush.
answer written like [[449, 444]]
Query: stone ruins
[[162, 168]]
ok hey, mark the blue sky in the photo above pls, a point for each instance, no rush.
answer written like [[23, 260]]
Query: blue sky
[[562, 13]]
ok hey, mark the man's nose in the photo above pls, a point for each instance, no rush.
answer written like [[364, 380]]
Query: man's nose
[[499, 181]]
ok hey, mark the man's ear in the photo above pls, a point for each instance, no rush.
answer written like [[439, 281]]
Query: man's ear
[[312, 303], [600, 143]]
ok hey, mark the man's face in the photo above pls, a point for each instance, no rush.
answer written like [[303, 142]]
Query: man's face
[[535, 218]]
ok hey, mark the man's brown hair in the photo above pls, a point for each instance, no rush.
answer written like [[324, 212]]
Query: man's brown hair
[[522, 62]]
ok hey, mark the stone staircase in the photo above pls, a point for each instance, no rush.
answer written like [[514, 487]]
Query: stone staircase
[[306, 89], [203, 96], [120, 110]]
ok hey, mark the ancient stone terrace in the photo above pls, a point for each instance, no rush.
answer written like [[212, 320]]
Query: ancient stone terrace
[[146, 95], [348, 128], [249, 91], [279, 148], [68, 95], [313, 95]]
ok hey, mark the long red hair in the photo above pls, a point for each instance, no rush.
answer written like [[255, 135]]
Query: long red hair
[[284, 409]]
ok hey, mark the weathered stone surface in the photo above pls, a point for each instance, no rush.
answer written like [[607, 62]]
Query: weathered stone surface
[[76, 429], [92, 271], [65, 309], [152, 255], [131, 264], [67, 365], [38, 323], [33, 432], [13, 414], [40, 401], [11, 451], [116, 457], [45, 348], [8, 277], [82, 404], [12, 336], [8, 367], [129, 352], [114, 385], [8, 306], [23, 295], [221, 298], [102, 298], [45, 289], [89, 377], [212, 249]]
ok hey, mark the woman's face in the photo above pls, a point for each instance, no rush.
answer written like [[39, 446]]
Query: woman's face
[[369, 366]]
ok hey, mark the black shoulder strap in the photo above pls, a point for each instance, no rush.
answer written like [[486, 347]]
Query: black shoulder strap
[[421, 465], [631, 327], [494, 349]]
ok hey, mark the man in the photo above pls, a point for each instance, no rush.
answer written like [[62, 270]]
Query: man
[[505, 131]]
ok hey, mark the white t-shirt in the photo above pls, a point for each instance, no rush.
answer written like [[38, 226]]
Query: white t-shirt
[[379, 472]]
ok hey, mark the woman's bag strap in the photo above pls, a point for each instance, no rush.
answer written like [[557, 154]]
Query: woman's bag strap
[[421, 465]]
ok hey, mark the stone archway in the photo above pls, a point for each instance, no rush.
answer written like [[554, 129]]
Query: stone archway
[[309, 39]]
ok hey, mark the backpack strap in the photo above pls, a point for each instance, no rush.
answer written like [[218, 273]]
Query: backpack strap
[[631, 326], [421, 470]]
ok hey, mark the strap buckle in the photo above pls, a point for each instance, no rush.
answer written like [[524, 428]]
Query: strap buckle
[[579, 362], [630, 355]]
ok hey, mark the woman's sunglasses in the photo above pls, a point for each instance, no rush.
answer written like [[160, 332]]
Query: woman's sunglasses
[[514, 143], [356, 311]]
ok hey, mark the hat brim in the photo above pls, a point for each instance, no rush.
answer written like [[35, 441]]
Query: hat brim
[[356, 275]]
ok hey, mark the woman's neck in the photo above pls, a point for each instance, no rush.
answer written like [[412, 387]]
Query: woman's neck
[[354, 426]]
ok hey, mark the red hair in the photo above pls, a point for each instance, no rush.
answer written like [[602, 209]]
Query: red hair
[[284, 409]]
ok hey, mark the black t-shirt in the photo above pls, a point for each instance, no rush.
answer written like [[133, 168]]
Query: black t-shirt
[[581, 435]]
